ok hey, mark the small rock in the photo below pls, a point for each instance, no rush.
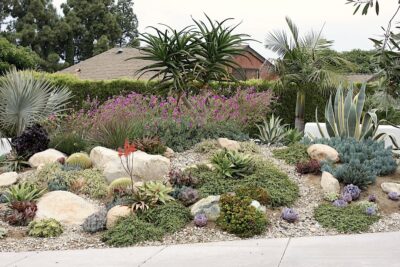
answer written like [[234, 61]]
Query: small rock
[[329, 184], [8, 178], [258, 206], [323, 152], [209, 206], [390, 187], [228, 144], [169, 153], [65, 207], [115, 213], [48, 156]]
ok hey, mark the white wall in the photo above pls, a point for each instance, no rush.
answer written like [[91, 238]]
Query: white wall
[[311, 130], [4, 149]]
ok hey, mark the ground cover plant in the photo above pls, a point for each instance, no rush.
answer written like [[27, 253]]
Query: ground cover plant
[[349, 219], [135, 116], [292, 154]]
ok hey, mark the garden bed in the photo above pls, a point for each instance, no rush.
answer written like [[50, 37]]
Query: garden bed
[[309, 198]]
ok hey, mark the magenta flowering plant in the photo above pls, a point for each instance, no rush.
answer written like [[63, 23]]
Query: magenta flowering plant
[[135, 115]]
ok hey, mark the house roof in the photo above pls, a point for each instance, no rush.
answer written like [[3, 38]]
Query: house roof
[[109, 65]]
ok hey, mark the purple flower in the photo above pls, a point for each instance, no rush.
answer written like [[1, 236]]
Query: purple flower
[[290, 215], [394, 196], [200, 220], [340, 203]]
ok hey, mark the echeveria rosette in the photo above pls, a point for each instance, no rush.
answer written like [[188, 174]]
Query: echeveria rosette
[[370, 211], [200, 220], [290, 215], [394, 196], [353, 190], [340, 203], [372, 198]]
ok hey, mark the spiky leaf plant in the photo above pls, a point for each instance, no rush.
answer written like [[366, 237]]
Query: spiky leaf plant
[[232, 164], [272, 131]]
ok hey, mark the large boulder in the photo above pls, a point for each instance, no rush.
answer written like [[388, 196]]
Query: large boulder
[[8, 178], [323, 152], [48, 156], [228, 144], [329, 184], [146, 167], [390, 187], [116, 213], [65, 207], [209, 206]]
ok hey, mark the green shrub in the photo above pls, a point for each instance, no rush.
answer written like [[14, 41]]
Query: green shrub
[[249, 147], [253, 192], [350, 219], [170, 217], [362, 160], [68, 142], [206, 146], [292, 154], [232, 164], [130, 230], [79, 159], [45, 228], [240, 218]]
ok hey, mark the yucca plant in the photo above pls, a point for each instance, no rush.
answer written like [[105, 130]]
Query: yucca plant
[[272, 131], [26, 100], [345, 117]]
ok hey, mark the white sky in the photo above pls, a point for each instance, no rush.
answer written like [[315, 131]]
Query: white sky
[[262, 16]]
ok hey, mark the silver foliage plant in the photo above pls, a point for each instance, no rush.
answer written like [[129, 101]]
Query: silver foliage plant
[[26, 100], [272, 131]]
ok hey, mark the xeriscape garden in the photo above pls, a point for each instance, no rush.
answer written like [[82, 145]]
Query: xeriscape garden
[[198, 165]]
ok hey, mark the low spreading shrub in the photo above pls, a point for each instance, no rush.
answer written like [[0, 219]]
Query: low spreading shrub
[[45, 228], [206, 146], [292, 154], [240, 218], [346, 219], [33, 140], [362, 160], [249, 147], [130, 230], [170, 217], [253, 192]]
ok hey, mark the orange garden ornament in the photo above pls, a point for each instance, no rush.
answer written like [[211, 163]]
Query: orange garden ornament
[[126, 157]]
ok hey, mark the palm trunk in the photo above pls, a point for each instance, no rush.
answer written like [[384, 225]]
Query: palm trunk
[[300, 109]]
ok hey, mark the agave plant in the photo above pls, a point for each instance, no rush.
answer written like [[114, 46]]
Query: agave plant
[[23, 192], [26, 100], [345, 117], [272, 131], [157, 192], [232, 164]]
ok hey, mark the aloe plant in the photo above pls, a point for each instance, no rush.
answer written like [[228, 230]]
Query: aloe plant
[[272, 131], [345, 117]]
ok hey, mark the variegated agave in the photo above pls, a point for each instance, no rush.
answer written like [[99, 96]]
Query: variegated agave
[[272, 131], [345, 118]]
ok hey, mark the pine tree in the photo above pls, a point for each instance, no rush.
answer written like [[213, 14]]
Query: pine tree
[[128, 22]]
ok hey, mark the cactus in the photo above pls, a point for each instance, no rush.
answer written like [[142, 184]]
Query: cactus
[[120, 184], [79, 159], [95, 222], [45, 228]]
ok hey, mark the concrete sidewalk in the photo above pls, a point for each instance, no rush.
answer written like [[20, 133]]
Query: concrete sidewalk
[[382, 249]]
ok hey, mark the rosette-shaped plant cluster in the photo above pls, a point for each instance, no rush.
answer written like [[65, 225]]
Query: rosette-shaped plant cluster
[[272, 131], [45, 228], [352, 190], [33, 140], [289, 215], [79, 159], [313, 166], [95, 222], [232, 164], [372, 198], [182, 178], [188, 195], [394, 196], [200, 220], [22, 212], [151, 145], [240, 218], [340, 203]]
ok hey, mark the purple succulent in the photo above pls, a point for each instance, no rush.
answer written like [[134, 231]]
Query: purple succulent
[[290, 215], [353, 190], [347, 197], [200, 220], [340, 203], [372, 198], [394, 196], [370, 211]]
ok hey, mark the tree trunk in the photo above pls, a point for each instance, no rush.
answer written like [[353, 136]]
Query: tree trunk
[[300, 109]]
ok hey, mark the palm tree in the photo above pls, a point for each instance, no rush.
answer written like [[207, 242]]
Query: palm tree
[[301, 66], [26, 100]]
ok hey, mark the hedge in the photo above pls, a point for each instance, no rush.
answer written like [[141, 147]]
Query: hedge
[[103, 90]]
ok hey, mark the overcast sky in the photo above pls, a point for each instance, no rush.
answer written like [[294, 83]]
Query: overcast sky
[[259, 17]]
